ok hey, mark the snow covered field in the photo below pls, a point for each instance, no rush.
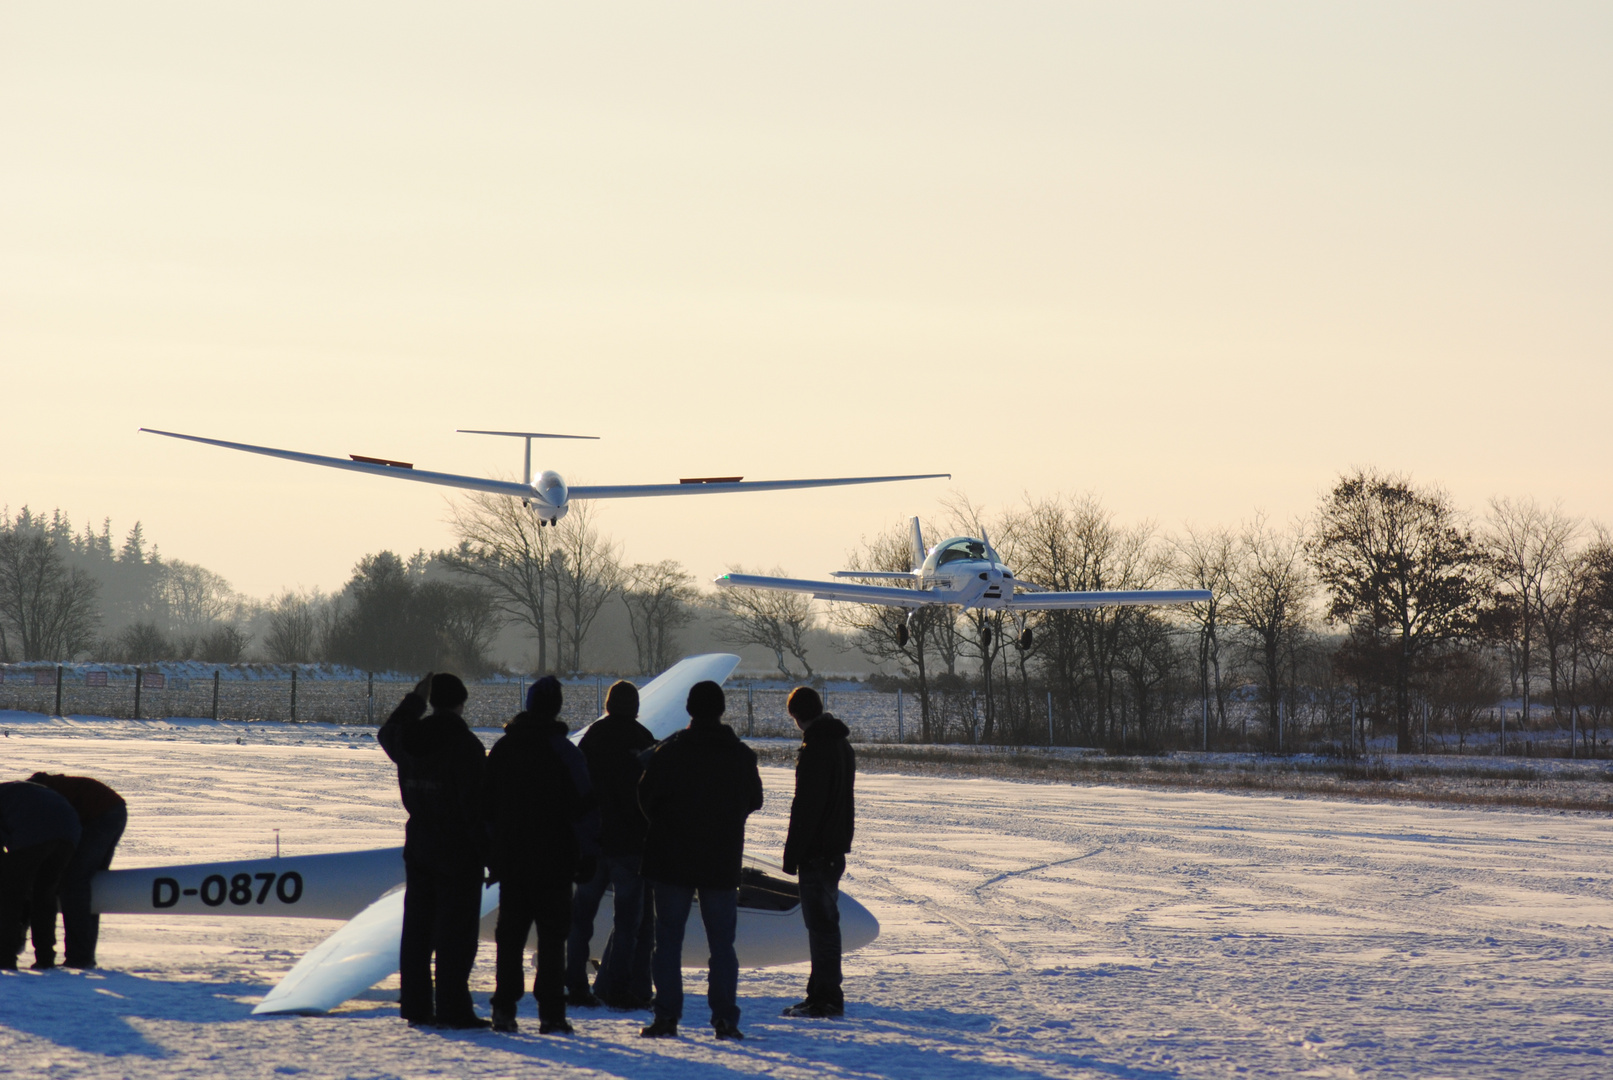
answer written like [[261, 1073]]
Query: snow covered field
[[1028, 930]]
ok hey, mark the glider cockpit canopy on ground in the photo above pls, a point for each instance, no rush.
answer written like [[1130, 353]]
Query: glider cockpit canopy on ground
[[549, 494]]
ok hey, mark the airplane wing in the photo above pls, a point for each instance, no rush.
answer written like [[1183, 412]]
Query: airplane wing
[[876, 575], [718, 487], [404, 472], [834, 590], [1045, 601]]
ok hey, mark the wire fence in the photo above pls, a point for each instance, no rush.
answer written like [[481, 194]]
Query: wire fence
[[319, 694]]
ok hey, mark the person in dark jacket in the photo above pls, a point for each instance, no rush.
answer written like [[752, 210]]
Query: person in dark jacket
[[612, 746], [38, 830], [103, 815], [542, 810], [821, 821], [440, 771], [699, 786]]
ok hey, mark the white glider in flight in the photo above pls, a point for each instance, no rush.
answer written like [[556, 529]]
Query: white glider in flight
[[548, 493], [366, 888], [963, 572]]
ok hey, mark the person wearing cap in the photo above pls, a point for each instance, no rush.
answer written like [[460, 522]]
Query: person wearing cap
[[612, 746], [699, 786], [821, 820], [38, 830], [440, 771], [541, 809], [102, 815]]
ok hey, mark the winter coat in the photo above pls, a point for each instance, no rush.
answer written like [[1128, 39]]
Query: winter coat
[[822, 813], [699, 786], [613, 745], [90, 798], [440, 771], [31, 814], [539, 803]]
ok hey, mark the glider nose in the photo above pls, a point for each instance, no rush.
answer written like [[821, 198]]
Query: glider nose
[[550, 493], [858, 927]]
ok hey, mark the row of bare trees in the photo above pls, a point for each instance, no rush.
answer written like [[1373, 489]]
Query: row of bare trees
[[1386, 605]]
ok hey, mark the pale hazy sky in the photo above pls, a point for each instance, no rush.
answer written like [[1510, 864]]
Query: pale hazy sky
[[1196, 258]]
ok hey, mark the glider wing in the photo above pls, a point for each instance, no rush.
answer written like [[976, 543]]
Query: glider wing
[[887, 595], [1046, 601]]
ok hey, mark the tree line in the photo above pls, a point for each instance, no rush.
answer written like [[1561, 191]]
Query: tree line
[[1386, 604]]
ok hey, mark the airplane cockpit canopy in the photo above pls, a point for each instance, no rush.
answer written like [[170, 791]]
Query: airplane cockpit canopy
[[955, 550]]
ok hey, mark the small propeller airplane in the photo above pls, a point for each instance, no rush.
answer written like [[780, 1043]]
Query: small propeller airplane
[[549, 492], [964, 572]]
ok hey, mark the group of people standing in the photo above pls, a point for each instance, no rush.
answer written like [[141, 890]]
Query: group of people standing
[[660, 825], [57, 833]]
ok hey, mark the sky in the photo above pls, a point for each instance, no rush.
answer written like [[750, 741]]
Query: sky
[[1194, 259]]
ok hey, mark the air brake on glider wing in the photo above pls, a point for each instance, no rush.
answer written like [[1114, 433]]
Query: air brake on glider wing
[[964, 572], [548, 493]]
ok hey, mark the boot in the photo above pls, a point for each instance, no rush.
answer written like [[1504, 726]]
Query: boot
[[727, 1029], [504, 1019], [662, 1028]]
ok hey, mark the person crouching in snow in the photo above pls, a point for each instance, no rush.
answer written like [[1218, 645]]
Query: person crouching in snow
[[541, 808]]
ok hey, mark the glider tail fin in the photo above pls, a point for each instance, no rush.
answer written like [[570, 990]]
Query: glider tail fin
[[918, 546]]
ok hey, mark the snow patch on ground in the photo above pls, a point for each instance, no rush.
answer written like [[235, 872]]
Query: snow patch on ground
[[1029, 930]]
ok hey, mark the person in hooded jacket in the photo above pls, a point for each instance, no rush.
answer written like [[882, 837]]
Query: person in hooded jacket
[[545, 822], [38, 830], [821, 820], [612, 746], [103, 815], [699, 786], [440, 770]]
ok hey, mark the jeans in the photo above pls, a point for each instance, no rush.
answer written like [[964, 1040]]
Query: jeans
[[634, 958], [29, 880], [620, 874], [520, 904], [81, 927], [719, 910], [441, 913], [820, 910]]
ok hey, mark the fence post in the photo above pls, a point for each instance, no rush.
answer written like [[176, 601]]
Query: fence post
[[138, 674], [1050, 718], [1352, 727], [1425, 727], [58, 689], [1503, 730], [899, 714], [1279, 725], [293, 693], [599, 695], [1206, 726], [370, 694], [215, 695], [750, 709]]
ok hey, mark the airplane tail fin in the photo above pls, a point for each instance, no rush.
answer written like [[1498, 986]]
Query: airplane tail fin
[[918, 545]]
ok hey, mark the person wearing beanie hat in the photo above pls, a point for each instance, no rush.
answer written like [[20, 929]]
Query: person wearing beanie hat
[[541, 808], [821, 820], [440, 771], [699, 786], [612, 746]]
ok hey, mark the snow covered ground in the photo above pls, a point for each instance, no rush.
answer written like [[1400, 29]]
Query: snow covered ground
[[1028, 930]]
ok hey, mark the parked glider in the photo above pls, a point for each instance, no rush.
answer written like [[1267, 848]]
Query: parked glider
[[964, 572], [549, 493], [366, 888]]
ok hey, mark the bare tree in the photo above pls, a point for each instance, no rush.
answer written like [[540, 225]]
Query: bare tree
[[658, 597], [1401, 568], [1269, 600], [1205, 560], [48, 610], [294, 628], [1529, 553], [777, 621], [502, 544], [902, 635], [584, 573]]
